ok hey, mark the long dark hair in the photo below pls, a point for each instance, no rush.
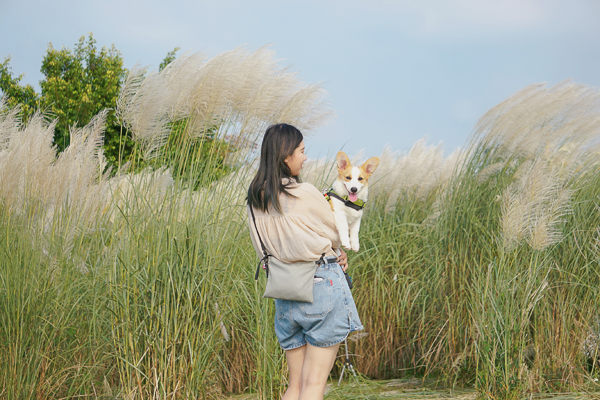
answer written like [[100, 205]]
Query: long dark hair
[[279, 143]]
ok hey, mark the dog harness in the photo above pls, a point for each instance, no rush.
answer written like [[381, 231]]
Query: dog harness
[[356, 205]]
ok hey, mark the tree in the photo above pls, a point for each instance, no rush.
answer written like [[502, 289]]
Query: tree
[[79, 84], [15, 94], [197, 161], [170, 57]]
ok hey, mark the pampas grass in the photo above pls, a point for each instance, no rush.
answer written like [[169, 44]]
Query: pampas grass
[[539, 120], [476, 268], [418, 172], [241, 93], [532, 207]]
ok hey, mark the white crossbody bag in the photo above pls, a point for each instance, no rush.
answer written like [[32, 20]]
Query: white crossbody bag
[[286, 281]]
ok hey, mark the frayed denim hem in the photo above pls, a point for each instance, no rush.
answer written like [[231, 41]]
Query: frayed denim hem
[[293, 347], [339, 341]]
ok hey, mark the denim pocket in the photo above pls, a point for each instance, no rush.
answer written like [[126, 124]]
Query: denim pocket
[[282, 307], [322, 299]]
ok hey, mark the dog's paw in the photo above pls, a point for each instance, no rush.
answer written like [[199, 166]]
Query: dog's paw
[[354, 245], [346, 243]]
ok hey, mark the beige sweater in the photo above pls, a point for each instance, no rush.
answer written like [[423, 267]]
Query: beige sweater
[[304, 231]]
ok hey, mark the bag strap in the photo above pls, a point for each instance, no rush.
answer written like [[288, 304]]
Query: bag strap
[[265, 259]]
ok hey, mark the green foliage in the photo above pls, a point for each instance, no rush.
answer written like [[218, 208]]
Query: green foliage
[[194, 161], [51, 340], [197, 161], [77, 85], [170, 57], [80, 83], [25, 96], [159, 296]]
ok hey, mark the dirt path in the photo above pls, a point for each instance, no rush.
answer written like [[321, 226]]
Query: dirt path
[[394, 389], [409, 389]]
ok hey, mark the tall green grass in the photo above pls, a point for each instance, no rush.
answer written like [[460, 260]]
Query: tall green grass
[[52, 329], [450, 286], [138, 283]]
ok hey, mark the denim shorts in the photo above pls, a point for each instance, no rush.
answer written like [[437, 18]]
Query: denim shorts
[[326, 321]]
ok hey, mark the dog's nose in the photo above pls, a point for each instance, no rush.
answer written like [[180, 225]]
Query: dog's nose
[[354, 190]]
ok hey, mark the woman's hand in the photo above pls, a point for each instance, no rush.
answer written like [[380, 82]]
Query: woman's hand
[[343, 260]]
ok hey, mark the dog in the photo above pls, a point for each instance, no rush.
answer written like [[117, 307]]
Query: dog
[[348, 196]]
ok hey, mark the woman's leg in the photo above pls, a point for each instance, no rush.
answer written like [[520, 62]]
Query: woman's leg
[[317, 365], [295, 361]]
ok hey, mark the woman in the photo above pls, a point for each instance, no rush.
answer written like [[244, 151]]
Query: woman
[[296, 223]]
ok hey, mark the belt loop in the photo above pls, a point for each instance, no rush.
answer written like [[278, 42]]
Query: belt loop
[[321, 261]]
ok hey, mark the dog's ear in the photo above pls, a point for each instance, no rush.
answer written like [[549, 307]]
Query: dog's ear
[[342, 161], [371, 165]]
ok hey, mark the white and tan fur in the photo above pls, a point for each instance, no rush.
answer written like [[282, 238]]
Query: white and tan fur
[[353, 182]]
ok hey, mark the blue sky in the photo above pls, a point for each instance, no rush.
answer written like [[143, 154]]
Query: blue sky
[[395, 71]]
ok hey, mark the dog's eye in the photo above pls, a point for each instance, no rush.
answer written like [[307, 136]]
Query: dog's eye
[[360, 178], [348, 178]]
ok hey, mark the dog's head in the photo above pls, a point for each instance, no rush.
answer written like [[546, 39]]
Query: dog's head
[[354, 178]]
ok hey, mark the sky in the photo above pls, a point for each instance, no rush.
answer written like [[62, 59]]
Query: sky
[[394, 71]]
